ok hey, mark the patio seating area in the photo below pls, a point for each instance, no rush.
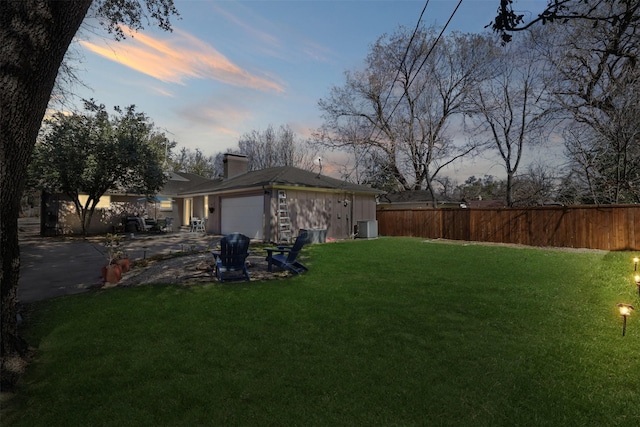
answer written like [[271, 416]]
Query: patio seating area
[[197, 225]]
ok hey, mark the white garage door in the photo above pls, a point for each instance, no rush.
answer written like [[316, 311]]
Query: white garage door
[[243, 215]]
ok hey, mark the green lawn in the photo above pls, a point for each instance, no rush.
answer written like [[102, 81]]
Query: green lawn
[[390, 332]]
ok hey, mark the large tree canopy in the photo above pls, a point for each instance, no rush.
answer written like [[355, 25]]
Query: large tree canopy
[[35, 35], [123, 153]]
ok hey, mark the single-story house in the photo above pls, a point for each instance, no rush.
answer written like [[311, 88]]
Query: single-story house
[[271, 204], [274, 204]]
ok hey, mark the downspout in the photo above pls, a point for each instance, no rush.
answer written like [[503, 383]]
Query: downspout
[[267, 217], [351, 226]]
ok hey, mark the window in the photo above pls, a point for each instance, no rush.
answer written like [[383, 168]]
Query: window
[[104, 203], [166, 204]]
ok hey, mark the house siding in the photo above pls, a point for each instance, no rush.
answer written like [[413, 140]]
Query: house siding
[[337, 212], [104, 220]]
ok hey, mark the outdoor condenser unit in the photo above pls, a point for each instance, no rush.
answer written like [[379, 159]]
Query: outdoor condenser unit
[[367, 229]]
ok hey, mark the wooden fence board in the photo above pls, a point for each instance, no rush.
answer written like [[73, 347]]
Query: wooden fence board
[[611, 227]]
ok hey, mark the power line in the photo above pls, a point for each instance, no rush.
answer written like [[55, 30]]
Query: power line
[[435, 43], [406, 52], [378, 130], [393, 83]]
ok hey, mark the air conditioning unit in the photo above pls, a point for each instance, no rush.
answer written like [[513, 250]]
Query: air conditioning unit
[[367, 229]]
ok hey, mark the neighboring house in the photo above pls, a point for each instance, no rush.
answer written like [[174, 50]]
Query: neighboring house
[[264, 204], [412, 199], [58, 214], [261, 204]]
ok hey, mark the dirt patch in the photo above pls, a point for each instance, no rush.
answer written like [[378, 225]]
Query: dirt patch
[[514, 246]]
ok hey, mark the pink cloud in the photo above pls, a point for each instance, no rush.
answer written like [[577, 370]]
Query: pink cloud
[[180, 58]]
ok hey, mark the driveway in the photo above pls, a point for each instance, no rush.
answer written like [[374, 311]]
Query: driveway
[[56, 266]]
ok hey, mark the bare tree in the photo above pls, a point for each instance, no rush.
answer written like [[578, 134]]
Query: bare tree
[[271, 148], [510, 108], [536, 187], [605, 163], [196, 162], [400, 106], [596, 86], [447, 187]]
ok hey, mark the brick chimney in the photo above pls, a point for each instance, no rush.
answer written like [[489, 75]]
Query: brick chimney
[[234, 165]]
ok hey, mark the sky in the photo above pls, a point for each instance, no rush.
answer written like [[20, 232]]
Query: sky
[[232, 67]]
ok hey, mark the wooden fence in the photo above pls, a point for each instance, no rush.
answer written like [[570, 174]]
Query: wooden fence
[[608, 227]]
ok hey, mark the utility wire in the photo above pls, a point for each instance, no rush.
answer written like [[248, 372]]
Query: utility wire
[[393, 83], [417, 71], [434, 44], [404, 57]]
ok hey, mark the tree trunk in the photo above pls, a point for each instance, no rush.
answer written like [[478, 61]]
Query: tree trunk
[[34, 35], [510, 188]]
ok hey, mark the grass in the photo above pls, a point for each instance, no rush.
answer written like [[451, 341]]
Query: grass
[[391, 332]]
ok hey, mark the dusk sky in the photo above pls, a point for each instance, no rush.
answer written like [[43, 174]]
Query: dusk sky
[[230, 67]]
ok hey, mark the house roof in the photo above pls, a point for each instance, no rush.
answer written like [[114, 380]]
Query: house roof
[[179, 182], [283, 175], [493, 203], [406, 196], [413, 197]]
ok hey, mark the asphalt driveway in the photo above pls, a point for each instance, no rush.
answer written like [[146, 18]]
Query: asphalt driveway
[[56, 266]]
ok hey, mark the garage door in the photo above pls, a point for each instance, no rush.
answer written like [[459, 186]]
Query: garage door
[[244, 215]]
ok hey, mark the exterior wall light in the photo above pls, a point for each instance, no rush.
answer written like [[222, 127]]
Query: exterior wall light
[[625, 310]]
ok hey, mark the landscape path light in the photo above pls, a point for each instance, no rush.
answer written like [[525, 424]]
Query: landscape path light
[[635, 263], [637, 279], [625, 310]]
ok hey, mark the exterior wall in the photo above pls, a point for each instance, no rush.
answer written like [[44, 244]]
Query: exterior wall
[[105, 219], [337, 212], [310, 210], [198, 208], [178, 206], [214, 220], [364, 208], [213, 223]]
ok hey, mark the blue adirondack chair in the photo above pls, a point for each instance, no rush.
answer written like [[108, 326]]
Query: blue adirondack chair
[[285, 257], [232, 256]]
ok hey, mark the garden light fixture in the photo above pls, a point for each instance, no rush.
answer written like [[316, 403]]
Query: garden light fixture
[[635, 263], [637, 279], [625, 310]]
